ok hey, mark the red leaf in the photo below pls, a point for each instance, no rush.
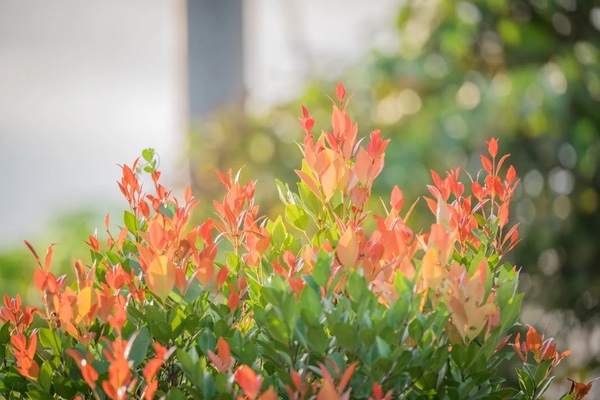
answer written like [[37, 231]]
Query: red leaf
[[304, 112], [580, 389]]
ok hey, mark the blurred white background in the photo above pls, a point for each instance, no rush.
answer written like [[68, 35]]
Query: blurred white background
[[85, 86]]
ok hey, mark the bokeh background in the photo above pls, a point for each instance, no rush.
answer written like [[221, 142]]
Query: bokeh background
[[84, 87]]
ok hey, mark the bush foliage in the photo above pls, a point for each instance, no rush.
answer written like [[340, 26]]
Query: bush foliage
[[311, 304]]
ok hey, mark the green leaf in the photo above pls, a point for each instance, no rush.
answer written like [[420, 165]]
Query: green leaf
[[356, 286], [346, 335], [4, 338], [284, 192], [160, 330], [278, 330], [167, 210], [296, 216], [233, 262], [367, 336], [45, 376], [317, 339], [221, 328], [277, 231], [139, 348], [36, 394], [415, 330], [309, 199], [543, 386], [322, 269], [310, 304], [113, 258], [510, 312], [49, 338], [64, 387], [192, 365], [542, 370], [208, 386], [397, 313], [148, 154], [383, 348], [176, 394], [207, 341], [131, 222], [289, 310], [248, 354], [525, 382]]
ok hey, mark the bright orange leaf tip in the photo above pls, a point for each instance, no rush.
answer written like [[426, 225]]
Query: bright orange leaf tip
[[493, 147], [397, 199], [248, 381], [340, 91]]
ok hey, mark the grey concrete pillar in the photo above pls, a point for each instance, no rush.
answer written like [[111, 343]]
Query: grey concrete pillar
[[215, 56]]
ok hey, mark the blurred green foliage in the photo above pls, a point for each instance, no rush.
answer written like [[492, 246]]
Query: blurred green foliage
[[68, 232], [527, 72]]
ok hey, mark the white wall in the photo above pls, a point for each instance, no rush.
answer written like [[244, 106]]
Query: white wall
[[83, 86], [87, 85]]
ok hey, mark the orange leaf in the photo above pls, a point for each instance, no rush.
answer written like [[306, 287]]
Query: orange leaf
[[48, 260], [248, 381], [224, 352], [397, 199], [39, 279], [533, 340], [269, 394], [493, 147], [340, 91], [487, 164], [329, 180], [510, 174], [346, 377], [327, 391]]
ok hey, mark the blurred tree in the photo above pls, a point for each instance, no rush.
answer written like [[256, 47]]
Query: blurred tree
[[527, 72]]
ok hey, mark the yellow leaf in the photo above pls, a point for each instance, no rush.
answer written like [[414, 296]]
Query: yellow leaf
[[347, 248], [431, 270], [160, 276], [86, 298]]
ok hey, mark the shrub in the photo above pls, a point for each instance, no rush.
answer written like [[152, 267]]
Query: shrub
[[310, 305]]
